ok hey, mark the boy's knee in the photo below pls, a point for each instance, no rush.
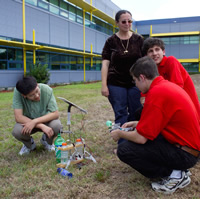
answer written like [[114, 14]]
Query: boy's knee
[[56, 126], [17, 131]]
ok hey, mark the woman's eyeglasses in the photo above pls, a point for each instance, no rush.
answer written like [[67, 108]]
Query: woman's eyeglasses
[[124, 22]]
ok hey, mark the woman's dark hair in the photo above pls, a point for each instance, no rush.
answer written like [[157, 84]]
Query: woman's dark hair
[[119, 13], [150, 43], [26, 85], [145, 66]]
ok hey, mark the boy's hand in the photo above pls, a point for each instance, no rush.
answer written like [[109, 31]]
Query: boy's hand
[[28, 127], [115, 135], [47, 130], [132, 124]]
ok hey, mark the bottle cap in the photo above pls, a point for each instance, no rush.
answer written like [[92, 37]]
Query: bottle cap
[[64, 144], [78, 140], [109, 123]]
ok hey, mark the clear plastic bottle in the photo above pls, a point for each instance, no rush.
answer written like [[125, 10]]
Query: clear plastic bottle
[[79, 148], [58, 143], [64, 153]]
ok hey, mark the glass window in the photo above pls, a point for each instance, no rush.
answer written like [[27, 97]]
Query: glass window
[[33, 2], [79, 20], [42, 57], [3, 53], [64, 59], [174, 40], [15, 54], [194, 39], [15, 65], [186, 40], [55, 2], [79, 63], [72, 16], [87, 64], [191, 67], [29, 56], [64, 13], [72, 13], [98, 64], [79, 16], [87, 16], [3, 65], [43, 4], [63, 5], [87, 23], [166, 40], [73, 63], [55, 61], [65, 67], [54, 9], [55, 66]]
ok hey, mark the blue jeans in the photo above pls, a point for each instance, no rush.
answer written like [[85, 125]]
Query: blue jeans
[[124, 101]]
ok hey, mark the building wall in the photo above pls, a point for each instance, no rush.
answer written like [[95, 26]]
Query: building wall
[[175, 25]]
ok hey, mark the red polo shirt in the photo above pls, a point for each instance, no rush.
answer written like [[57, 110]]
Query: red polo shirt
[[169, 110], [171, 69]]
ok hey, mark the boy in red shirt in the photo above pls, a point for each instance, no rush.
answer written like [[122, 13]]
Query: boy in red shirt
[[170, 68], [166, 140]]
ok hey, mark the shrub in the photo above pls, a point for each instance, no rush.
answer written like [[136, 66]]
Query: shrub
[[40, 72]]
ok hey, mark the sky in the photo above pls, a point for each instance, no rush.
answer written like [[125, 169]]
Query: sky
[[158, 9]]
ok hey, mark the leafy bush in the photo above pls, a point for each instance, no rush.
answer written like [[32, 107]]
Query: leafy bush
[[40, 72]]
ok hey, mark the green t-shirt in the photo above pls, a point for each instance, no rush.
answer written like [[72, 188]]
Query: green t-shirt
[[32, 109]]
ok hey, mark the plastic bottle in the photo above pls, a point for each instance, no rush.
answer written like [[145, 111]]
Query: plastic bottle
[[79, 148], [58, 143], [64, 173], [64, 153]]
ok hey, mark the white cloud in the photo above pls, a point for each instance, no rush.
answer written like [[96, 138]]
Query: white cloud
[[156, 9]]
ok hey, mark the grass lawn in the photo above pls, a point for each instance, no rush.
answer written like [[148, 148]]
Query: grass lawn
[[35, 175]]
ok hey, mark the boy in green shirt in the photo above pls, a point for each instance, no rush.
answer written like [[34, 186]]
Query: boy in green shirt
[[35, 109]]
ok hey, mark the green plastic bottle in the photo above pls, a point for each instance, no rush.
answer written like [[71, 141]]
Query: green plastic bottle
[[58, 143]]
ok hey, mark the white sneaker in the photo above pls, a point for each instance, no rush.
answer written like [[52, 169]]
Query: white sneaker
[[47, 146], [169, 185], [25, 150]]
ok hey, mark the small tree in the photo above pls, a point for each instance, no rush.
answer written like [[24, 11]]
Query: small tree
[[40, 72]]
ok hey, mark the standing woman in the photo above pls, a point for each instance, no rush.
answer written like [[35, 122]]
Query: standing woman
[[120, 52]]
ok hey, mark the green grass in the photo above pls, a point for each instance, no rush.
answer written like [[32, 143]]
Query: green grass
[[35, 176]]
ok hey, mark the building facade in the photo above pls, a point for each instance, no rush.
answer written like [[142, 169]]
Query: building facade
[[68, 37]]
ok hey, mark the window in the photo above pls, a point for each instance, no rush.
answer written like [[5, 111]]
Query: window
[[73, 63], [3, 65], [43, 4], [3, 53], [55, 61], [72, 13], [42, 57], [98, 64], [79, 18], [54, 9], [79, 63], [55, 2], [15, 65], [174, 40], [191, 39], [32, 2], [194, 39], [191, 67], [15, 54]]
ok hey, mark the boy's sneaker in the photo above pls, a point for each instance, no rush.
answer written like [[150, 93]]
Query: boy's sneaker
[[169, 185], [25, 150], [47, 146], [188, 172]]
